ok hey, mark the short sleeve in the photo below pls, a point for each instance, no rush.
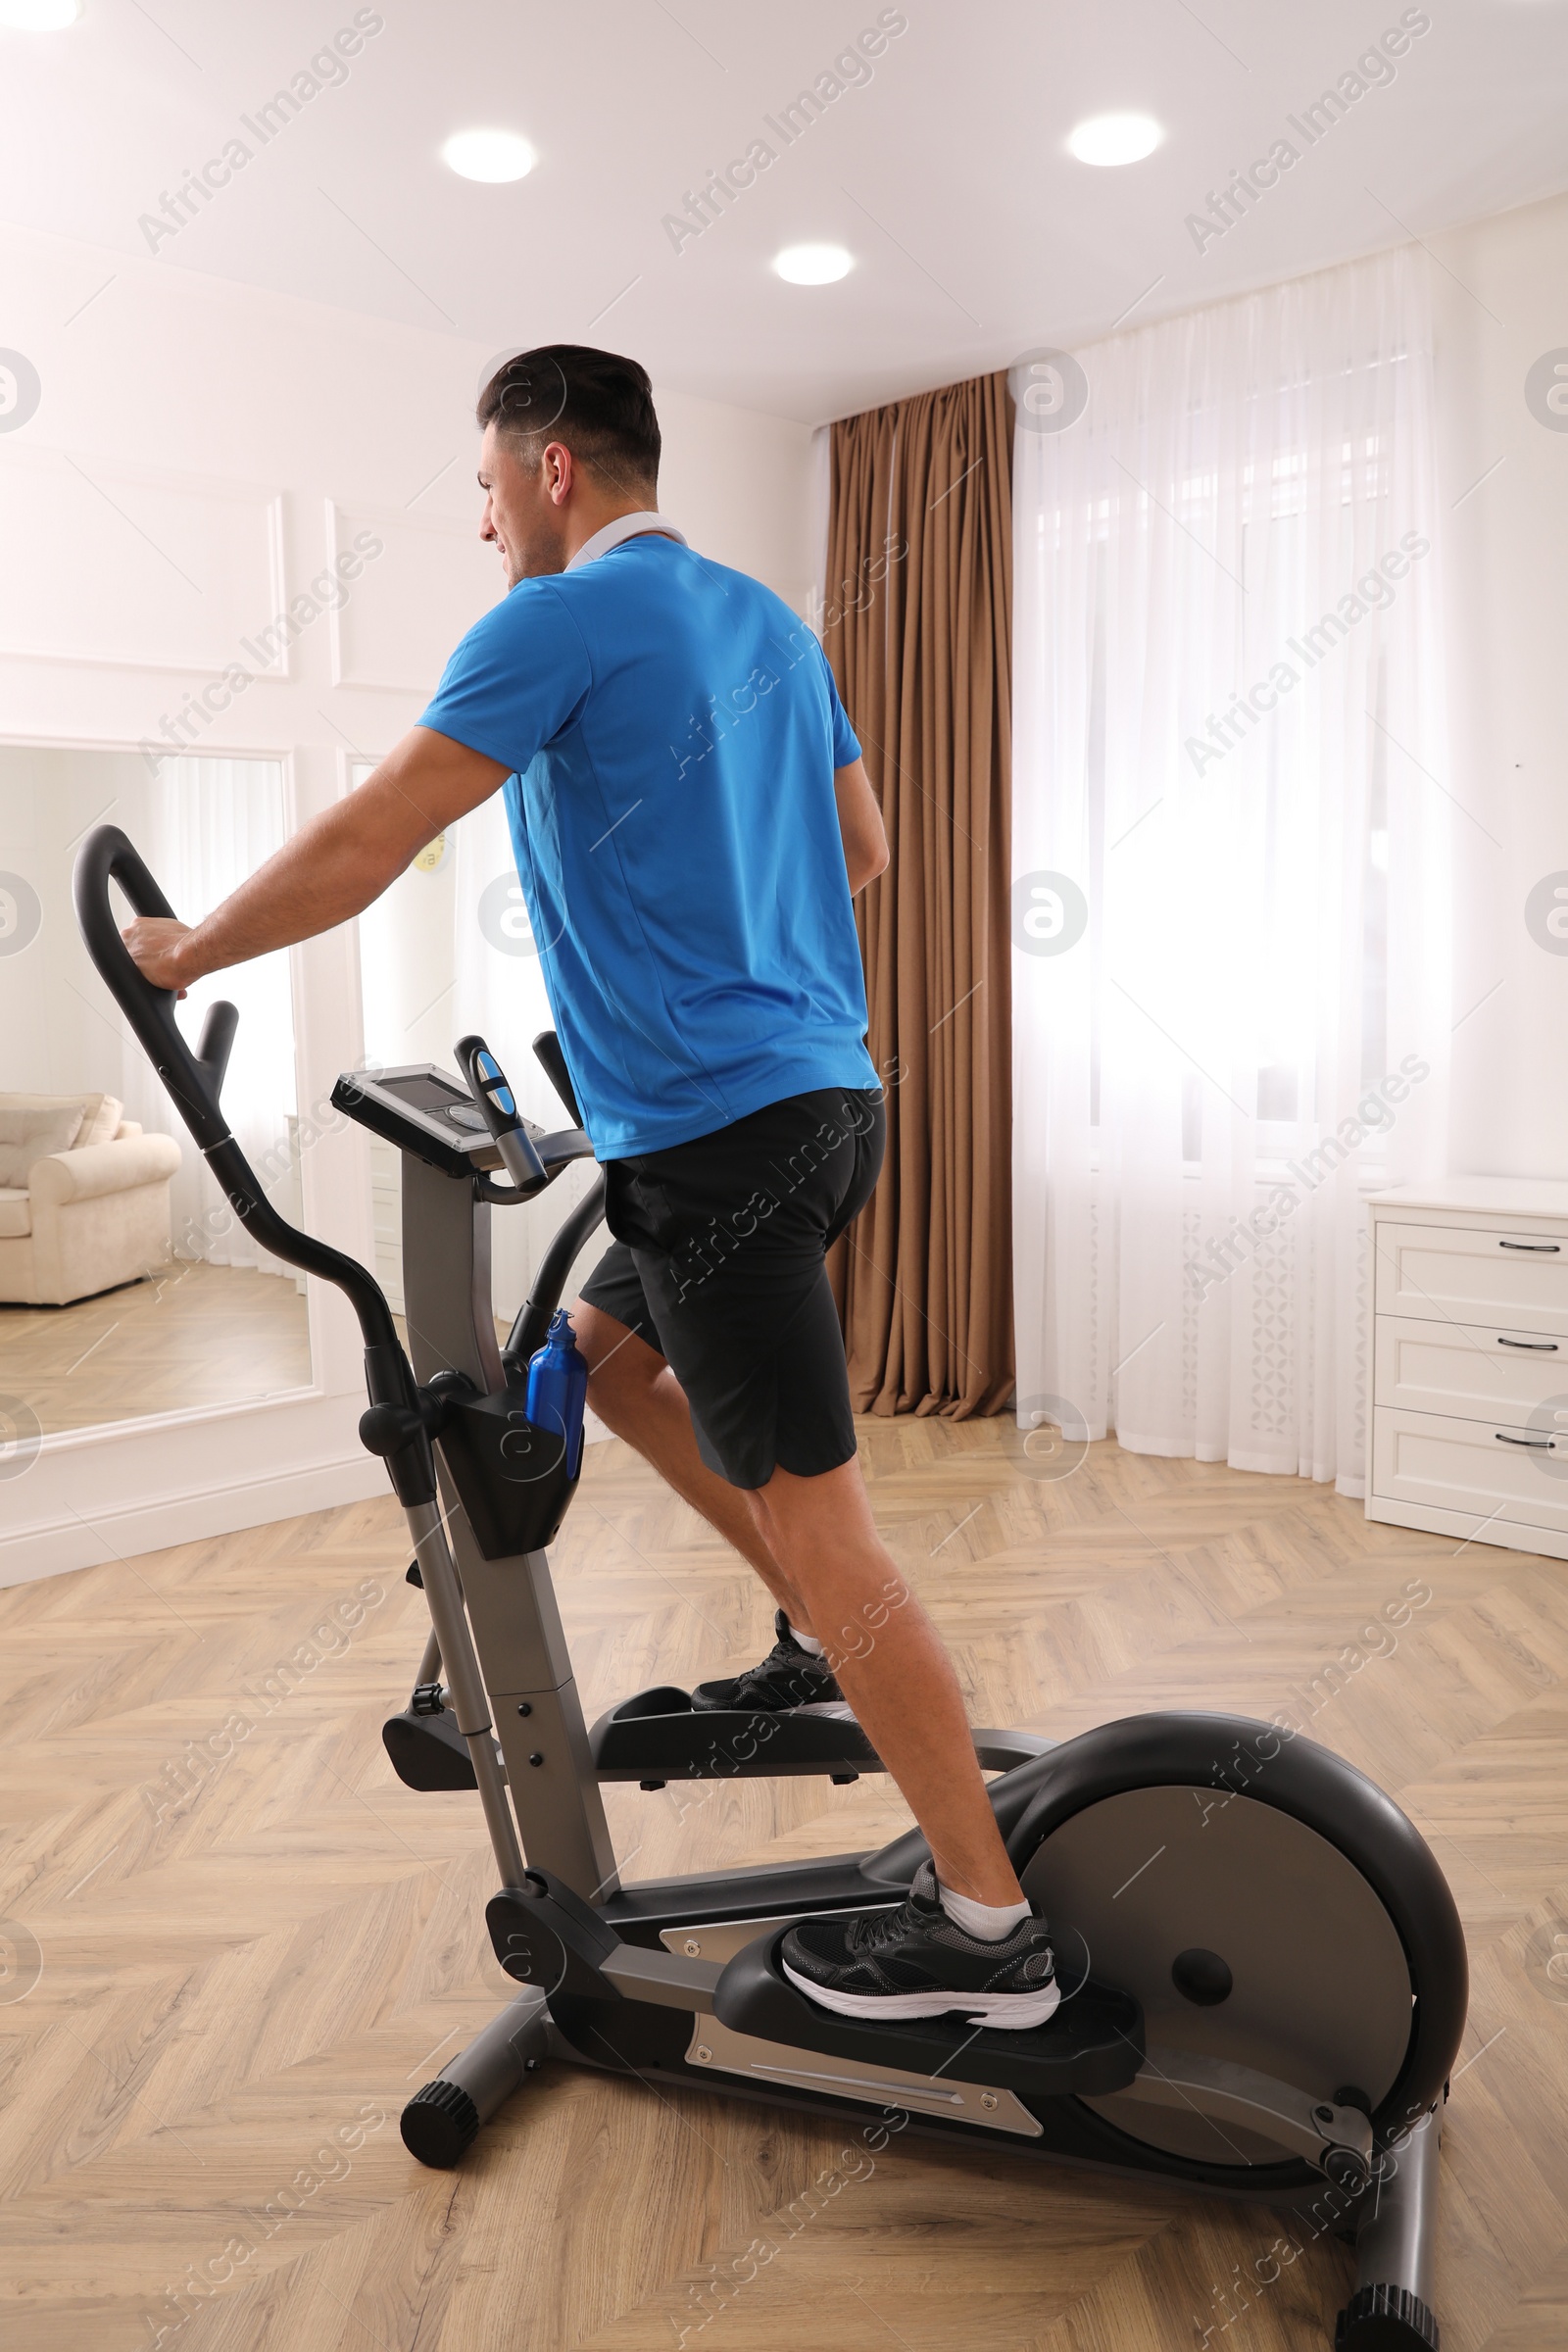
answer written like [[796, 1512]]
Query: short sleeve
[[846, 746], [519, 677]]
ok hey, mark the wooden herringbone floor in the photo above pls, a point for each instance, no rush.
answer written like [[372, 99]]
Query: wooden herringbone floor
[[228, 1967], [189, 1335]]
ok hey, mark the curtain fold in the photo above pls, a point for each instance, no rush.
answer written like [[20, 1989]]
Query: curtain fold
[[917, 625], [1232, 819]]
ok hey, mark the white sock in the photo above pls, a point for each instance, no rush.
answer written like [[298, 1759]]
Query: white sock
[[989, 1921], [807, 1641]]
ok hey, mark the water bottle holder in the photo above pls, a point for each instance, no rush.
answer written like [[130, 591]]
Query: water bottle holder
[[511, 1475]]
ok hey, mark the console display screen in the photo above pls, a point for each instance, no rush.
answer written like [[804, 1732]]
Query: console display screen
[[426, 1092]]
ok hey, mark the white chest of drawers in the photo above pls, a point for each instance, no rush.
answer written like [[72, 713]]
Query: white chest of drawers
[[1470, 1360]]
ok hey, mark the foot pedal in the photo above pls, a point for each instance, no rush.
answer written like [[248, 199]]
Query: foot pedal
[[1091, 2046], [659, 1735]]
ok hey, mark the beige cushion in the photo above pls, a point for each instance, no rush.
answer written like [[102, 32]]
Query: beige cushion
[[33, 1133], [85, 1102], [16, 1216], [100, 1122], [99, 1117]]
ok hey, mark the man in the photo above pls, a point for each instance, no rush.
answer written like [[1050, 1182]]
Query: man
[[691, 818]]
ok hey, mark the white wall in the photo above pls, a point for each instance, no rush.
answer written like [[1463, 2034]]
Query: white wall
[[1502, 296], [199, 453]]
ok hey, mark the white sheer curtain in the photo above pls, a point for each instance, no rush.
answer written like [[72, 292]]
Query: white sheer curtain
[[211, 823], [1229, 765], [500, 987]]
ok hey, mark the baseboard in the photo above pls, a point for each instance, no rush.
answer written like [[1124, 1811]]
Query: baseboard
[[130, 1486], [54, 1546], [1548, 1542]]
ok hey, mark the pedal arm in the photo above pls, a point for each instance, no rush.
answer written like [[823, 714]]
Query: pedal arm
[[667, 1978], [1224, 2093]]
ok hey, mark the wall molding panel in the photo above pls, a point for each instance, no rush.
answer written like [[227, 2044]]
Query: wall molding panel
[[407, 609], [151, 571]]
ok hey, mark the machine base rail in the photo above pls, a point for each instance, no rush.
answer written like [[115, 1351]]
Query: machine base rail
[[649, 1909], [442, 2119], [1391, 2310]]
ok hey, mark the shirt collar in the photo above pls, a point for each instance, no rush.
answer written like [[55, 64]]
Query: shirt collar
[[625, 526]]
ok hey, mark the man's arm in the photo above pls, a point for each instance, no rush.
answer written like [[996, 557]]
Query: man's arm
[[332, 869], [865, 841]]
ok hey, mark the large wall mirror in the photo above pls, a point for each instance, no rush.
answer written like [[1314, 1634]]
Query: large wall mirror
[[127, 1285]]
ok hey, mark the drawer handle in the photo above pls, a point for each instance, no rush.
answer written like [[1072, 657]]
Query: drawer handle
[[1540, 1445], [1540, 1346], [1551, 1248]]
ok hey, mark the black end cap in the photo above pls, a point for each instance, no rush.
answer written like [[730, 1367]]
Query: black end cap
[[440, 2124], [1385, 2319]]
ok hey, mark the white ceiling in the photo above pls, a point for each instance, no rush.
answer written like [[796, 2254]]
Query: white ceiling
[[975, 235]]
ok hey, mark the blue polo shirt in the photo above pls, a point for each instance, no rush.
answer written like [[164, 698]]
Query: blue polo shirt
[[672, 729]]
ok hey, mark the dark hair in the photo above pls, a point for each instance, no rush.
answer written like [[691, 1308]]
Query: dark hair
[[600, 406]]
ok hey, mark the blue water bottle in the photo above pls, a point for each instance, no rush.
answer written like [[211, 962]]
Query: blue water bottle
[[558, 1387]]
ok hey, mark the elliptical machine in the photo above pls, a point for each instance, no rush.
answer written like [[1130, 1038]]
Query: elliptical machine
[[1263, 1973]]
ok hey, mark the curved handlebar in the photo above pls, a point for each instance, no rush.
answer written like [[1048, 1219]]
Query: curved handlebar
[[108, 855], [193, 1080]]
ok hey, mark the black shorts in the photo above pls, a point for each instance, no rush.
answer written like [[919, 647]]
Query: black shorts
[[718, 1264]]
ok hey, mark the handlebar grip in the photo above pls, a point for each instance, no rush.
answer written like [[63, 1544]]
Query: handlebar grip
[[487, 1084], [551, 1059], [107, 856], [217, 1043]]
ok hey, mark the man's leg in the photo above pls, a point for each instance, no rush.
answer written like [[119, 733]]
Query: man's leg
[[813, 1542], [755, 1357], [894, 1669], [635, 1394]]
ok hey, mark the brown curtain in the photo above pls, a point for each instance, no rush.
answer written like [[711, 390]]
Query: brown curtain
[[917, 627]]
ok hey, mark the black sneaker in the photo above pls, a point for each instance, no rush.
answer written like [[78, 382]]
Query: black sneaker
[[913, 1962], [789, 1679]]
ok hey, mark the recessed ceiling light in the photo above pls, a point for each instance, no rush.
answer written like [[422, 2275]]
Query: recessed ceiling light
[[1115, 140], [814, 264], [39, 15], [488, 155]]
